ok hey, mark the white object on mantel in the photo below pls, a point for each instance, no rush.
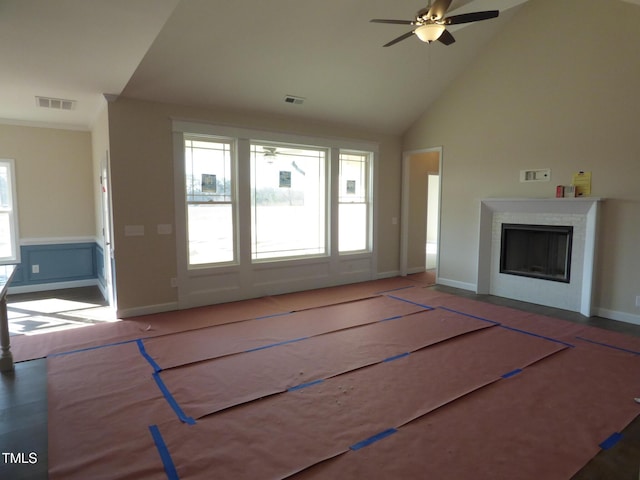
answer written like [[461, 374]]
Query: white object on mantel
[[585, 206]]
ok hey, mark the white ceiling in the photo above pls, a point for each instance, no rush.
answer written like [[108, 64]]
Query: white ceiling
[[243, 55]]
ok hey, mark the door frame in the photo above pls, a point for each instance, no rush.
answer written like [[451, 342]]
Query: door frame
[[404, 206], [109, 288]]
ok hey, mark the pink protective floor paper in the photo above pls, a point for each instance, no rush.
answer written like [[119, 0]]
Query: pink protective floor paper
[[409, 383]]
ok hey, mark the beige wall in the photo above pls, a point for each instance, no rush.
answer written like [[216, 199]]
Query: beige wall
[[143, 186], [53, 176], [557, 88]]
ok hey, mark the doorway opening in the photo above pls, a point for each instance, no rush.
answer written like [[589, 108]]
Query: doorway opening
[[420, 224], [433, 213], [58, 309], [107, 280]]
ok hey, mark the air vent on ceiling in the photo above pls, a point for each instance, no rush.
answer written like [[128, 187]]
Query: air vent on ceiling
[[56, 103], [293, 100]]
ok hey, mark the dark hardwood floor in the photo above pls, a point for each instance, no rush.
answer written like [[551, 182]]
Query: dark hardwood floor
[[23, 406], [23, 422]]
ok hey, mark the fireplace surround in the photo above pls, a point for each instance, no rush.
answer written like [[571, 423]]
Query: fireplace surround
[[581, 214]]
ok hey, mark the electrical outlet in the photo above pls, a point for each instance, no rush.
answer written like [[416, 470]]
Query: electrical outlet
[[35, 268], [637, 300], [174, 282]]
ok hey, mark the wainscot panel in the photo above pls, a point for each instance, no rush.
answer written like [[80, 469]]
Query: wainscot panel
[[55, 263]]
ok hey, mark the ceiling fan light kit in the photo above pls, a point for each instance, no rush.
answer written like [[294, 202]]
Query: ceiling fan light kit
[[429, 32], [431, 22]]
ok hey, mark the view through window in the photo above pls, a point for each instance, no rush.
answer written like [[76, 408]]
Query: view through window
[[279, 207], [288, 201], [9, 252], [353, 211], [209, 196]]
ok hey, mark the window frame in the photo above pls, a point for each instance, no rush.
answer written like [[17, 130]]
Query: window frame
[[204, 277], [14, 236], [368, 197], [324, 201], [233, 201]]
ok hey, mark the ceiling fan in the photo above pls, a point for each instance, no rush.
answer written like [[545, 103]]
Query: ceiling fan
[[269, 153], [431, 22]]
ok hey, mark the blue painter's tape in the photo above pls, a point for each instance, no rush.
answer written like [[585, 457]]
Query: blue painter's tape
[[469, 315], [149, 358], [172, 401], [513, 329], [397, 317], [395, 289], [165, 456], [608, 345], [396, 357], [611, 441], [305, 385], [274, 315], [512, 373], [375, 438], [411, 302], [271, 345], [80, 350]]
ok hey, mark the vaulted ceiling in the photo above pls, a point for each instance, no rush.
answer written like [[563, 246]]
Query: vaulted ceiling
[[244, 55]]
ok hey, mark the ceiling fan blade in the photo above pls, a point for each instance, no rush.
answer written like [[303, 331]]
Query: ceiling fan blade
[[394, 22], [399, 39], [471, 17], [438, 9], [446, 38]]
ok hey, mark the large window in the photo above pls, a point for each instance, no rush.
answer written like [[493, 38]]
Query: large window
[[257, 202], [288, 205], [209, 167], [9, 250], [354, 201]]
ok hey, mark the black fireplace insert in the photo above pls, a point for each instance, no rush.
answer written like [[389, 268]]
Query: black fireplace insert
[[536, 251]]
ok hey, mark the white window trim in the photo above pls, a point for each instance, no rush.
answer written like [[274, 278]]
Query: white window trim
[[183, 126], [13, 215], [327, 206], [249, 279], [369, 186], [234, 200]]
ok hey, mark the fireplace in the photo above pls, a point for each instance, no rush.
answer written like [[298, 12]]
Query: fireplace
[[536, 251], [573, 293]]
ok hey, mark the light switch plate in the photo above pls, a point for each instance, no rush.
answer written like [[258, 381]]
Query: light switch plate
[[134, 230], [165, 229]]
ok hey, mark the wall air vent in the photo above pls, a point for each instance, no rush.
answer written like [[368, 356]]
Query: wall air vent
[[55, 103], [293, 100]]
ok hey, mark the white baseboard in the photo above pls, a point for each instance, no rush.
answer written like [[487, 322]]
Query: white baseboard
[[146, 310], [615, 315], [415, 270], [390, 274], [456, 284], [43, 287]]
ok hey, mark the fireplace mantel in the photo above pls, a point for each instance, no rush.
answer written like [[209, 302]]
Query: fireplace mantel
[[578, 296], [578, 205]]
